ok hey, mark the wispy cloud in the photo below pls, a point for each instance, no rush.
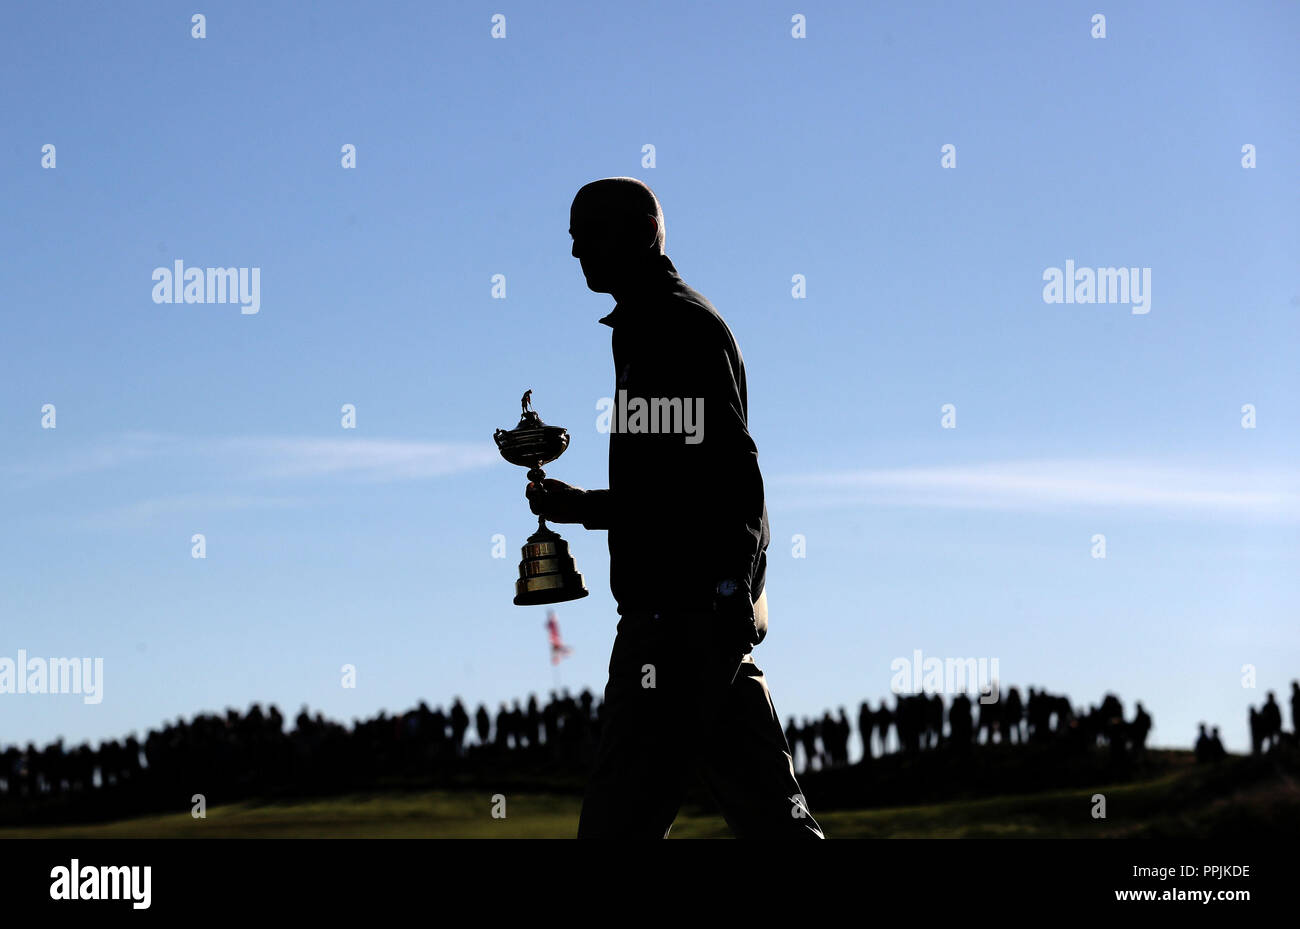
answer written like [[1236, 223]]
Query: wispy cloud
[[146, 511], [1057, 484], [271, 457], [371, 459], [177, 475], [118, 452]]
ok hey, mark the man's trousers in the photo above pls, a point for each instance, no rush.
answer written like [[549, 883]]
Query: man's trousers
[[685, 700]]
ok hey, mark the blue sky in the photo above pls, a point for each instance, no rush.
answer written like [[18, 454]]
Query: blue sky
[[775, 156]]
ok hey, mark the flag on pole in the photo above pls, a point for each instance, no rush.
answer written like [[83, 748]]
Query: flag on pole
[[558, 648]]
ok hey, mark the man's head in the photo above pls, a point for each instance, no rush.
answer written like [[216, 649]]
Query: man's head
[[617, 227]]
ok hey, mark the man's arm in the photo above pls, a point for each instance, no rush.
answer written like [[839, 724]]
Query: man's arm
[[727, 483], [596, 509], [563, 503], [735, 485]]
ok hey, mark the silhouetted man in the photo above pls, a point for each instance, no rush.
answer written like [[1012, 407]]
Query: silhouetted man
[[793, 738], [959, 723], [812, 755], [1203, 748], [1217, 752], [688, 533], [830, 739], [866, 723], [884, 720], [1271, 719], [1012, 714], [986, 723], [1141, 727], [934, 720], [534, 721], [516, 718], [459, 723]]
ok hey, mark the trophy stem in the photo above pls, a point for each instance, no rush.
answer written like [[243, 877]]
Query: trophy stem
[[537, 476]]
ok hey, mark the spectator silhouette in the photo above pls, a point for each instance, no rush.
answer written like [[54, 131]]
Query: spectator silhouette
[[959, 723], [1216, 746], [1141, 727], [1012, 714], [1203, 749], [1271, 722], [793, 738], [866, 723], [884, 722], [459, 726], [808, 735]]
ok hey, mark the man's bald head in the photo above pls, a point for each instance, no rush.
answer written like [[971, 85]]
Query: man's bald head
[[624, 203], [617, 226]]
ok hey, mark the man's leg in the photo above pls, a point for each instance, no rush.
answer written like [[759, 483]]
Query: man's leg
[[636, 786], [748, 766]]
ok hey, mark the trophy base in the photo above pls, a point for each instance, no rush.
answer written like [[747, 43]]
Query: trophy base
[[547, 573], [572, 590]]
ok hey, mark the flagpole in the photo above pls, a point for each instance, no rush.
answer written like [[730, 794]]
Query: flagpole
[[558, 648]]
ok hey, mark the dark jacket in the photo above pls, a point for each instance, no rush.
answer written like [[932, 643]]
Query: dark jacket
[[682, 515]]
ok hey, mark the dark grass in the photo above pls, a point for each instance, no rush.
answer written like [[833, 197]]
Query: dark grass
[[1174, 798]]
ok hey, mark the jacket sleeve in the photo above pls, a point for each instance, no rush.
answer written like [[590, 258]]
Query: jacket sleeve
[[728, 485], [598, 509]]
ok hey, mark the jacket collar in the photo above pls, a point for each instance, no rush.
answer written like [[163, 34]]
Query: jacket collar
[[663, 276]]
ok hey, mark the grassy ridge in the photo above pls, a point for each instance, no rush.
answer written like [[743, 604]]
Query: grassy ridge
[[1240, 797]]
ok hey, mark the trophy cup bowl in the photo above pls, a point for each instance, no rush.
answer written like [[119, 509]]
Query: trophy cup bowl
[[547, 573]]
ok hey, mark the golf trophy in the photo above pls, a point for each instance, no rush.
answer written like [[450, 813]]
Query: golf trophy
[[547, 573]]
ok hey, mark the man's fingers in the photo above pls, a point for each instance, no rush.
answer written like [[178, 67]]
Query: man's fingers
[[553, 499]]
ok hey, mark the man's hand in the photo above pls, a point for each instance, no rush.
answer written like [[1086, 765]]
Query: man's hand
[[557, 501]]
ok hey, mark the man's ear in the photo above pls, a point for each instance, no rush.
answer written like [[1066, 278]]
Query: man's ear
[[654, 230]]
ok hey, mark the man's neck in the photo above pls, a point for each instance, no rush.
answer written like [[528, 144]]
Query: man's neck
[[641, 278]]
